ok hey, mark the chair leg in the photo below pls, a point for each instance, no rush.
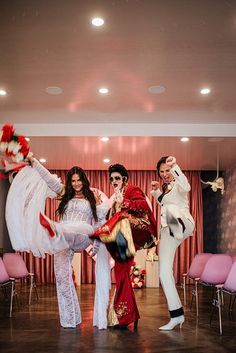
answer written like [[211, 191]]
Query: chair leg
[[212, 293], [222, 297], [32, 285], [191, 303], [31, 288], [12, 295], [232, 298], [193, 295], [213, 307], [219, 304], [196, 293], [184, 288], [35, 289]]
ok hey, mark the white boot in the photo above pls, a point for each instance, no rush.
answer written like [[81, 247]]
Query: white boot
[[179, 320]]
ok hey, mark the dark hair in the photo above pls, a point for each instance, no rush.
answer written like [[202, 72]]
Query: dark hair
[[70, 192], [118, 168], [161, 161]]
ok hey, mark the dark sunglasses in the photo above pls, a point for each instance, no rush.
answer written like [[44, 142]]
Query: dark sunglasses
[[114, 178]]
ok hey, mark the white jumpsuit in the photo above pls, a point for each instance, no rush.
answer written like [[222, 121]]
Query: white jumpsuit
[[174, 206]]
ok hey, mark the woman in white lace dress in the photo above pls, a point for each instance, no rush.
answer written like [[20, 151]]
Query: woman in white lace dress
[[81, 211]]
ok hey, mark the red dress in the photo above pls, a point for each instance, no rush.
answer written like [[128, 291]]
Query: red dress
[[144, 230]]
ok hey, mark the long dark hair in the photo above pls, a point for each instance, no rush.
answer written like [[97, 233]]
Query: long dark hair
[[70, 192], [161, 161]]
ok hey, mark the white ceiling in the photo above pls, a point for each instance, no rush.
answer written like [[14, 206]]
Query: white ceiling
[[183, 45]]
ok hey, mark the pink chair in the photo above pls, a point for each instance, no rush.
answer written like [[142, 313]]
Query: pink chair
[[233, 257], [216, 269], [194, 273], [5, 281], [228, 287], [215, 274], [17, 269]]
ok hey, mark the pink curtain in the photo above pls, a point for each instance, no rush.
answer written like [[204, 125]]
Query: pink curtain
[[99, 179]]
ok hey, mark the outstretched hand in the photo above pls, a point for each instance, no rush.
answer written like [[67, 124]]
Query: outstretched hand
[[155, 185], [29, 158], [98, 197]]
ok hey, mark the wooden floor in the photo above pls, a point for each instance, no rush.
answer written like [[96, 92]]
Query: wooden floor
[[36, 329]]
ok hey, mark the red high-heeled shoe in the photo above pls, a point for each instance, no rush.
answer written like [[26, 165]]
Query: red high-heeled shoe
[[44, 222]]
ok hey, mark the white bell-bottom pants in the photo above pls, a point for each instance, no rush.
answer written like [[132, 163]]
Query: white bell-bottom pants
[[167, 248]]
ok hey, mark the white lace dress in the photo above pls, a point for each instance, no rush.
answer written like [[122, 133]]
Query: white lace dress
[[29, 191], [78, 210]]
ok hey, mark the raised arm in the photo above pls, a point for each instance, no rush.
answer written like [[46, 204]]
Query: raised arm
[[156, 191], [51, 180], [179, 176]]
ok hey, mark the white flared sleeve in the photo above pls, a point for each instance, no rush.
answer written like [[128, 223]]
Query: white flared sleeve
[[25, 200], [52, 181], [102, 210], [103, 286], [96, 246]]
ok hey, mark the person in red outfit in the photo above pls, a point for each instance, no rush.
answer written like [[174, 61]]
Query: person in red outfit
[[131, 226]]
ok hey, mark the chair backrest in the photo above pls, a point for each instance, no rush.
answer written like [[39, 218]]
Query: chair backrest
[[198, 264], [233, 258], [4, 277], [230, 283], [15, 265], [216, 269]]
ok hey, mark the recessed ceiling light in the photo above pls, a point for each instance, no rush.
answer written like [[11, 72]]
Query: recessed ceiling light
[[205, 91], [106, 160], [156, 89], [97, 21], [27, 139], [103, 90], [42, 160], [184, 139], [3, 92], [54, 90], [104, 139]]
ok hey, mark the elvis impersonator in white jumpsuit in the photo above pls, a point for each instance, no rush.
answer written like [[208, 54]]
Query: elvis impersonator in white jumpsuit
[[176, 225]]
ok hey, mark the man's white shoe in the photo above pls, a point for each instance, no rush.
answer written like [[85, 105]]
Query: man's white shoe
[[179, 320]]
